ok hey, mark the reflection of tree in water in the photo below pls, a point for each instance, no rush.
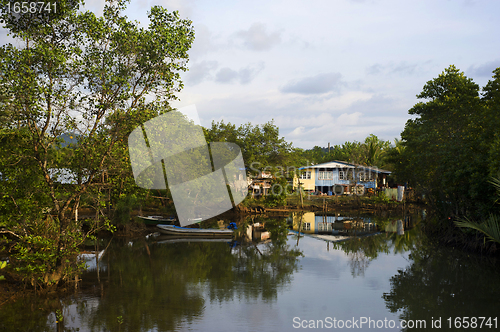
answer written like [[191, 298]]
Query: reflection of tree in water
[[361, 251], [33, 313], [259, 271], [358, 263], [442, 282]]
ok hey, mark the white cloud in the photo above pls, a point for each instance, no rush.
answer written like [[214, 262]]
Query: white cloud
[[297, 132], [346, 119], [226, 75], [203, 43], [319, 84], [200, 71], [243, 75], [404, 68], [483, 70]]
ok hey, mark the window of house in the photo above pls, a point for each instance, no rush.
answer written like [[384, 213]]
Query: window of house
[[328, 175], [305, 175], [365, 176], [346, 174]]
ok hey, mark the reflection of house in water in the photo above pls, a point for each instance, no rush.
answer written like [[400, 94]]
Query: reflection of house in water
[[399, 226], [311, 223], [256, 232]]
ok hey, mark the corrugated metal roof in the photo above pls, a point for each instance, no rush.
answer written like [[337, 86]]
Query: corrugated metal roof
[[343, 164], [331, 164]]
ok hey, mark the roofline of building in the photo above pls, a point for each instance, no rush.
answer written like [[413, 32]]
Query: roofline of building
[[372, 168]]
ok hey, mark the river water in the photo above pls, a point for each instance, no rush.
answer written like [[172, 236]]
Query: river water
[[341, 273]]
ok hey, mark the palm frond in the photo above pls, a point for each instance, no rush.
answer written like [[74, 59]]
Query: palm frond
[[490, 227], [496, 183]]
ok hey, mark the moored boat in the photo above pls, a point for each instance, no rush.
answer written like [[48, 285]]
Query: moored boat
[[155, 220], [199, 232]]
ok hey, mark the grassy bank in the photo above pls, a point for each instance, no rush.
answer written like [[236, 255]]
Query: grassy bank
[[328, 203]]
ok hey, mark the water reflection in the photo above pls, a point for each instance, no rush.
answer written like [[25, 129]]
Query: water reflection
[[164, 283], [332, 224], [442, 283]]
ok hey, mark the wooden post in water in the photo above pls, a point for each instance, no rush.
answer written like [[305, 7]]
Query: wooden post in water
[[300, 194], [300, 226], [96, 249]]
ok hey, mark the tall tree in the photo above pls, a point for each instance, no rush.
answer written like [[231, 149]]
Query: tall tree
[[261, 145], [491, 134], [75, 73]]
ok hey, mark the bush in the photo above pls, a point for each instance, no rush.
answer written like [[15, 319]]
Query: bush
[[124, 206]]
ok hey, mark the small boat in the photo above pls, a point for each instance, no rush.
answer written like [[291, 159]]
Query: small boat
[[162, 239], [199, 232], [91, 258], [155, 220]]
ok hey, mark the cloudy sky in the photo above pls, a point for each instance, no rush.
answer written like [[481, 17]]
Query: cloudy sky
[[326, 71]]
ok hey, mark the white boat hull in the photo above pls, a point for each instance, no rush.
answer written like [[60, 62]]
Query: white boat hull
[[198, 232]]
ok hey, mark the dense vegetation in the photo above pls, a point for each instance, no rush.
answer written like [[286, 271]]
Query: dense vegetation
[[451, 146], [450, 152]]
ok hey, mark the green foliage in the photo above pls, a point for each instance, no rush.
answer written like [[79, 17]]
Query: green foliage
[[394, 159], [491, 226], [44, 256], [59, 316], [277, 194], [261, 145], [381, 198], [2, 266], [278, 228], [124, 207], [120, 320]]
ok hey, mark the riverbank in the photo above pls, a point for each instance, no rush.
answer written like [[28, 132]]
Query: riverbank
[[10, 289], [446, 233], [371, 204]]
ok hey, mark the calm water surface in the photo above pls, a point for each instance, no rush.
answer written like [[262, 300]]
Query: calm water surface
[[282, 284]]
